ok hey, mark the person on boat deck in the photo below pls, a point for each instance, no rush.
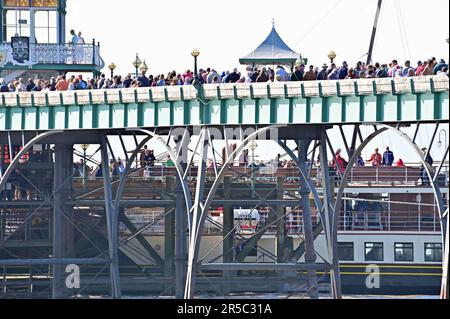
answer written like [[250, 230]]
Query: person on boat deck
[[341, 162], [169, 162], [376, 158], [423, 172], [243, 159], [360, 161], [400, 163], [388, 158]]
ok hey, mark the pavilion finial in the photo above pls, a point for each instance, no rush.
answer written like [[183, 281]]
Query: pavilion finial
[[273, 23]]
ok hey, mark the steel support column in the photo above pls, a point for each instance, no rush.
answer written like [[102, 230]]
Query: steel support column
[[281, 223], [228, 235], [199, 216], [63, 233], [169, 234], [331, 237], [180, 240], [308, 232], [446, 260], [112, 223]]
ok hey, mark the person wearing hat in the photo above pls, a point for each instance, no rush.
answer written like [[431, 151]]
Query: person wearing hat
[[284, 76], [323, 73]]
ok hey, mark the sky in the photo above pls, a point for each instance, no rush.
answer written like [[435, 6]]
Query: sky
[[165, 32]]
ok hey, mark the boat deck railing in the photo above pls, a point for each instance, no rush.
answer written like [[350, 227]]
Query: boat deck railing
[[386, 221], [359, 176]]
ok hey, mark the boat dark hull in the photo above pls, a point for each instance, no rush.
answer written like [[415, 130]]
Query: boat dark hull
[[394, 280]]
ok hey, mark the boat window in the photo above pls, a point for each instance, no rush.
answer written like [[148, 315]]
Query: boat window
[[404, 252], [374, 252], [346, 251], [433, 252]]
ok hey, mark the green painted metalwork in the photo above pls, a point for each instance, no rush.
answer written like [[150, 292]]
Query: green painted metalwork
[[423, 99]]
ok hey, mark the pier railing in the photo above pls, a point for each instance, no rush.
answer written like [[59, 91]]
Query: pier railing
[[78, 54], [64, 54], [89, 54]]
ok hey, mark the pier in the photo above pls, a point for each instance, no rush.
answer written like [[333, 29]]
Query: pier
[[145, 232]]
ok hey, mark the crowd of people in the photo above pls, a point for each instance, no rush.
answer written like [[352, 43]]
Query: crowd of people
[[210, 76]]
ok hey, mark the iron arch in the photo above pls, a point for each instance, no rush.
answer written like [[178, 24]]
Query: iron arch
[[22, 152]]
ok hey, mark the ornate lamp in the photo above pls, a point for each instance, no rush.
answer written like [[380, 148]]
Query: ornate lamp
[[195, 53], [143, 67], [112, 67], [136, 63], [332, 55], [300, 61], [84, 147]]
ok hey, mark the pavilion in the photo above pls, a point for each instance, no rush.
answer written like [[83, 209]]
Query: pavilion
[[273, 51]]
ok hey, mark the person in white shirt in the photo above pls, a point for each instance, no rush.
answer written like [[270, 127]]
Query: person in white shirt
[[80, 39], [21, 87], [81, 47], [74, 43]]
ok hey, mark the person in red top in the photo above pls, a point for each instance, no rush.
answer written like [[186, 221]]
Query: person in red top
[[376, 158], [62, 84], [341, 162], [420, 68], [400, 163]]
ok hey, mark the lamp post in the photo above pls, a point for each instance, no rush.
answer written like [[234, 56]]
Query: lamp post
[[253, 146], [332, 55], [195, 53], [112, 67], [440, 139], [137, 63], [84, 147], [143, 67], [300, 61]]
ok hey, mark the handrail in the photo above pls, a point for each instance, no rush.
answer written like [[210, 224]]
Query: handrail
[[68, 53]]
